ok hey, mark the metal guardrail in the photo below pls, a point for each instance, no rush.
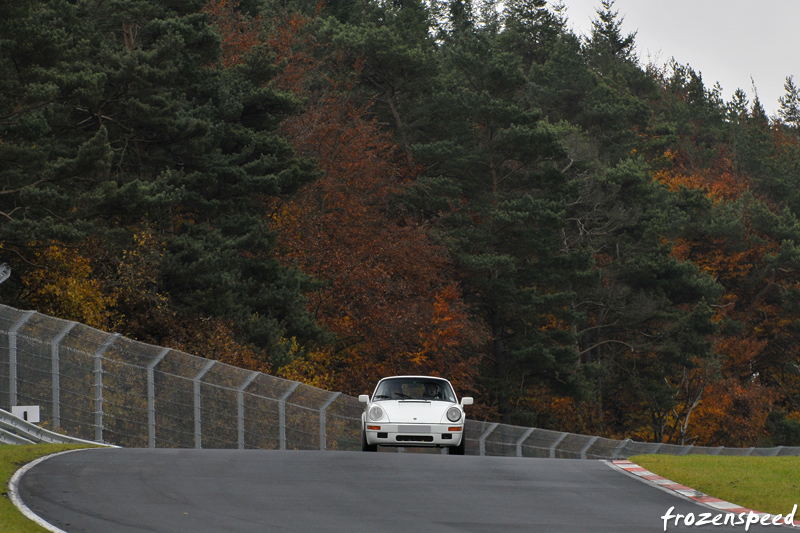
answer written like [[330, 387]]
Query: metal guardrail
[[106, 388], [14, 430]]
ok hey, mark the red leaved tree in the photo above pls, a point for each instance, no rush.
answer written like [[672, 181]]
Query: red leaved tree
[[239, 32], [385, 289]]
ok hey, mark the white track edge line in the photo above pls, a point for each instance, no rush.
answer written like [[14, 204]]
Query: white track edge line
[[13, 491]]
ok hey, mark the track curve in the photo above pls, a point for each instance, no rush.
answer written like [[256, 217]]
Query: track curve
[[164, 490]]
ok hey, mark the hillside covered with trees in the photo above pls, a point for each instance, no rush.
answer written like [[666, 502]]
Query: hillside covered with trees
[[338, 191]]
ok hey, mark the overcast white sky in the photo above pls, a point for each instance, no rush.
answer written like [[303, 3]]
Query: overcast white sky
[[727, 41]]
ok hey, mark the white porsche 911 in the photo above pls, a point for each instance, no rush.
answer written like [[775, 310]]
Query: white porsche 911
[[413, 411]]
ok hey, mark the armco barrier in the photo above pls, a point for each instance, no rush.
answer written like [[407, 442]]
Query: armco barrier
[[109, 389], [14, 430]]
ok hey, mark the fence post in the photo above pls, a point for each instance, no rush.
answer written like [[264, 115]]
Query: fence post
[[555, 445], [658, 447], [322, 421], [482, 439], [56, 372], [687, 449], [588, 445], [151, 397], [282, 413], [98, 386], [12, 357], [522, 439], [619, 448], [240, 406], [198, 441]]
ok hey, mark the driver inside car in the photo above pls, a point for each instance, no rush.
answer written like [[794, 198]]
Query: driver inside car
[[431, 392]]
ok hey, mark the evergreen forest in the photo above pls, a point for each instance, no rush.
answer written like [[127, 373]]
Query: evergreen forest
[[335, 191]]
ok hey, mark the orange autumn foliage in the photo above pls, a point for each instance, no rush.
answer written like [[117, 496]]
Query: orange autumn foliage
[[213, 338], [65, 284], [558, 411], [736, 414], [739, 353], [720, 181]]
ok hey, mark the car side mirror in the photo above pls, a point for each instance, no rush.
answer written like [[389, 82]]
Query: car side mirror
[[466, 400], [364, 398]]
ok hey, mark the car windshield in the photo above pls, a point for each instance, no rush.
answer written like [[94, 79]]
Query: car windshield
[[414, 389]]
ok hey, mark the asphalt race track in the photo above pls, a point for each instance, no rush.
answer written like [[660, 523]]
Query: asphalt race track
[[161, 490]]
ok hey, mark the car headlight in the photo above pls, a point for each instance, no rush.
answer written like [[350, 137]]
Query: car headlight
[[375, 413], [454, 414]]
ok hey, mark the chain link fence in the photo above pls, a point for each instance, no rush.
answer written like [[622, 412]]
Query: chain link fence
[[107, 388]]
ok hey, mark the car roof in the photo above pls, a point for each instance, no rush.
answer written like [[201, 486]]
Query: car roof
[[414, 377]]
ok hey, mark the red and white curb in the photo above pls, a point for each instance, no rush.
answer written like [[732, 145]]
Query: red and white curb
[[687, 492]]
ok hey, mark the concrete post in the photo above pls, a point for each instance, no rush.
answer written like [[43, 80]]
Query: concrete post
[[240, 406], [12, 357], [282, 414], [198, 440], [151, 397], [323, 422], [98, 386], [56, 372]]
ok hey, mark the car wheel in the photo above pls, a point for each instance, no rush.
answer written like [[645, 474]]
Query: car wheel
[[365, 447], [460, 449]]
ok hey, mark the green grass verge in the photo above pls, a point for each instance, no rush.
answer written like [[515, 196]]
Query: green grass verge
[[767, 484], [11, 459]]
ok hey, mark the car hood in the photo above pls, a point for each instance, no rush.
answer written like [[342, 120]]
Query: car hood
[[415, 411]]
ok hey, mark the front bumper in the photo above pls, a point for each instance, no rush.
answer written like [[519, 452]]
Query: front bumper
[[414, 434]]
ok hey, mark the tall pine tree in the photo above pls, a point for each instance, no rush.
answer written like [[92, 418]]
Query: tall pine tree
[[119, 119]]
